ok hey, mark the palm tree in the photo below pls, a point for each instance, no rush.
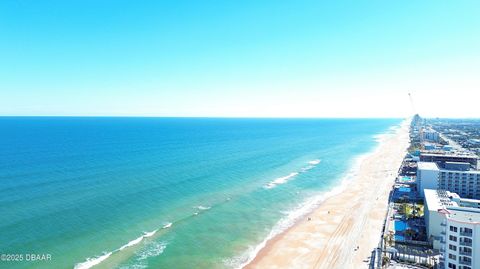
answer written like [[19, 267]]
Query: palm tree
[[409, 232], [390, 238], [429, 255]]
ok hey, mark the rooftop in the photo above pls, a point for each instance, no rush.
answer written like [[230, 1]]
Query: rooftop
[[437, 199], [432, 166], [442, 153], [462, 215], [440, 199], [427, 166]]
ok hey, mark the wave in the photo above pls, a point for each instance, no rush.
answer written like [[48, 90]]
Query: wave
[[148, 234], [90, 262], [155, 249], [285, 179], [280, 180], [200, 207], [294, 215], [137, 240], [131, 243]]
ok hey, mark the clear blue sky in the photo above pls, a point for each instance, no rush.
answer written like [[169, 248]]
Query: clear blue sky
[[240, 58]]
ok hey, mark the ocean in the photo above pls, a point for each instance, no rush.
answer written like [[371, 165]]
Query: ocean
[[102, 192]]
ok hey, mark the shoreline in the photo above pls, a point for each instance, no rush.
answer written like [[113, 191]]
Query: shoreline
[[327, 236]]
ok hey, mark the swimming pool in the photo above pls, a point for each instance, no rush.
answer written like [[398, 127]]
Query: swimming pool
[[405, 179], [399, 237], [404, 189], [400, 226]]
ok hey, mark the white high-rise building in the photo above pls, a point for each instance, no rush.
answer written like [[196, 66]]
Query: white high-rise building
[[427, 176], [453, 225], [454, 176], [430, 135]]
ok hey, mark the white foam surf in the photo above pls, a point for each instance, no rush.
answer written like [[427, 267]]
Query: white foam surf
[[90, 262], [131, 243], [201, 207], [148, 234], [285, 179], [153, 250], [280, 180], [137, 240]]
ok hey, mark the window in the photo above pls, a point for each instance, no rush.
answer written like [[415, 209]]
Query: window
[[453, 238], [452, 257], [451, 265], [452, 247], [468, 230], [466, 259], [467, 250], [453, 229]]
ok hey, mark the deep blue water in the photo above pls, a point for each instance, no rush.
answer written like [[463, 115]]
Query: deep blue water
[[79, 188]]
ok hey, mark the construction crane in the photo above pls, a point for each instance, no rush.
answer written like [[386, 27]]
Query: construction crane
[[412, 104], [416, 120]]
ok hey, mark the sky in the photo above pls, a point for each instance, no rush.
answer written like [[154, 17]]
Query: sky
[[240, 58]]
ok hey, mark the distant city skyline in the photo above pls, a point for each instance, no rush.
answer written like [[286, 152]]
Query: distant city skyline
[[240, 58]]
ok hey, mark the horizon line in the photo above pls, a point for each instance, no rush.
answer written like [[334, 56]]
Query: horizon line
[[204, 117], [224, 117]]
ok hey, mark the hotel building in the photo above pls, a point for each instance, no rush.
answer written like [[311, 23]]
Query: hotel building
[[456, 177], [453, 226], [442, 156]]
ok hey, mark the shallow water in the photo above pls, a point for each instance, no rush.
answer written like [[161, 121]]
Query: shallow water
[[166, 192]]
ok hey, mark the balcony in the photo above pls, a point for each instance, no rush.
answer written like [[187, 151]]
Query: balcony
[[467, 244], [465, 253], [466, 234], [444, 224], [465, 262]]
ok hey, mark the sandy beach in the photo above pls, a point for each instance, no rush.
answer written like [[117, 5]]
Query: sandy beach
[[328, 237]]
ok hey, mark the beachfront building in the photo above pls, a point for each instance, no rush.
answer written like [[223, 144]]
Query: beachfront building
[[427, 176], [453, 226], [442, 156], [430, 135], [458, 177]]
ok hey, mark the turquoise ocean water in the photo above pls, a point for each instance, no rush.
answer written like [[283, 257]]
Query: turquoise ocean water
[[165, 192]]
